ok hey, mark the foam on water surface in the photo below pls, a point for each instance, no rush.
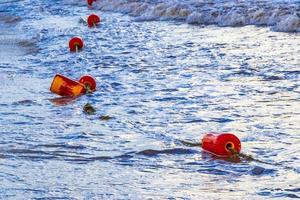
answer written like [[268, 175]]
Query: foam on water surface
[[279, 15]]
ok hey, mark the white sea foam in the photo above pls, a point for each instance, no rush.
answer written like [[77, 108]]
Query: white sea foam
[[280, 15]]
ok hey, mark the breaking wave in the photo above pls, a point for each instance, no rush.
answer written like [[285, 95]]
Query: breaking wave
[[280, 15]]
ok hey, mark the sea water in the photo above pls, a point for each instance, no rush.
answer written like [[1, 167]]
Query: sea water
[[166, 71]]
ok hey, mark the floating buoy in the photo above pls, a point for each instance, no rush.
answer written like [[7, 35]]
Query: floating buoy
[[222, 145], [89, 82], [93, 20], [65, 86], [75, 44], [90, 2]]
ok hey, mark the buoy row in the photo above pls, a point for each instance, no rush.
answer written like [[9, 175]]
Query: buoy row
[[67, 87], [76, 43], [218, 144]]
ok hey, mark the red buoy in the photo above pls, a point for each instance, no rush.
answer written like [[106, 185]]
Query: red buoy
[[75, 44], [65, 86], [90, 2], [93, 20], [88, 81], [222, 144]]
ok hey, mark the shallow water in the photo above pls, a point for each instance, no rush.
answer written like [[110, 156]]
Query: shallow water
[[160, 82]]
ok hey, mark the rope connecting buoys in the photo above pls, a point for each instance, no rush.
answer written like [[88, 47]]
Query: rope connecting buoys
[[75, 44], [65, 86], [93, 20], [222, 145]]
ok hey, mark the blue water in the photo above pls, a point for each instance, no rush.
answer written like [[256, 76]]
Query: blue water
[[160, 81]]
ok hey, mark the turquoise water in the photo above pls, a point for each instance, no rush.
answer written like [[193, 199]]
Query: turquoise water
[[160, 81]]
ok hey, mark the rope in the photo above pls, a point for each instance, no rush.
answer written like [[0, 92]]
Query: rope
[[234, 154], [88, 89], [237, 156], [190, 144]]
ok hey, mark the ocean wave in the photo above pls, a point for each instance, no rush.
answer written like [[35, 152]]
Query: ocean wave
[[283, 15]]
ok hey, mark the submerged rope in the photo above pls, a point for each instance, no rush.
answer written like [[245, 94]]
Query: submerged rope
[[236, 156], [191, 144]]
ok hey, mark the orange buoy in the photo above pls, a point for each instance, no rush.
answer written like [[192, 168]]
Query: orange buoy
[[75, 44], [88, 81], [64, 86], [222, 144], [93, 20]]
